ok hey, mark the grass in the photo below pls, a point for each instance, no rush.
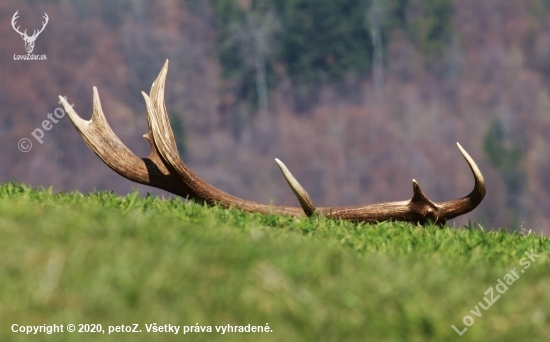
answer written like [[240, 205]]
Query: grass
[[102, 259]]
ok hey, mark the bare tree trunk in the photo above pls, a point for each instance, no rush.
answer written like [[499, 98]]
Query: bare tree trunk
[[375, 18], [259, 42], [377, 57]]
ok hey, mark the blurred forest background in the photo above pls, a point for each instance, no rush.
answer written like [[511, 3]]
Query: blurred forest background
[[357, 97]]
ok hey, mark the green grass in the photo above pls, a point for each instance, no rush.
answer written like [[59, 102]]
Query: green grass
[[99, 258]]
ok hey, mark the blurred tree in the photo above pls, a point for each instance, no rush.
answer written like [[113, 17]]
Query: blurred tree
[[399, 9], [228, 12], [507, 158], [324, 39], [247, 37], [254, 38], [376, 18], [430, 24]]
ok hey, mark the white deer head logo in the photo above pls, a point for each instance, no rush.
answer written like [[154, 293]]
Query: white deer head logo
[[29, 41]]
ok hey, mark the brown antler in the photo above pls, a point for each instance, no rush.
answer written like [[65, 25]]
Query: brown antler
[[164, 169]]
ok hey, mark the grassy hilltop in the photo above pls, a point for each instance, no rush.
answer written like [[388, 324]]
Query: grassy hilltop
[[102, 259]]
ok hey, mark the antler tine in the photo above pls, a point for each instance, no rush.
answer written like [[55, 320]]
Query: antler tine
[[299, 191], [157, 99], [99, 136], [161, 134], [14, 22], [461, 206], [101, 139], [161, 137], [44, 23], [14, 18], [479, 187]]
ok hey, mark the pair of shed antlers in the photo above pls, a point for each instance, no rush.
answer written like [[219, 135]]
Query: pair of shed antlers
[[164, 169]]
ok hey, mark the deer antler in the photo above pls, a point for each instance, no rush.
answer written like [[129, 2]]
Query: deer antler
[[13, 23], [34, 34], [44, 23], [164, 169]]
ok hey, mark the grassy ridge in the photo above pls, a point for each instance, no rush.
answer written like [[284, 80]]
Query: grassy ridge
[[98, 258]]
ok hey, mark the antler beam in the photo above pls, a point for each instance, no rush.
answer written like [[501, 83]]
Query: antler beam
[[164, 169]]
